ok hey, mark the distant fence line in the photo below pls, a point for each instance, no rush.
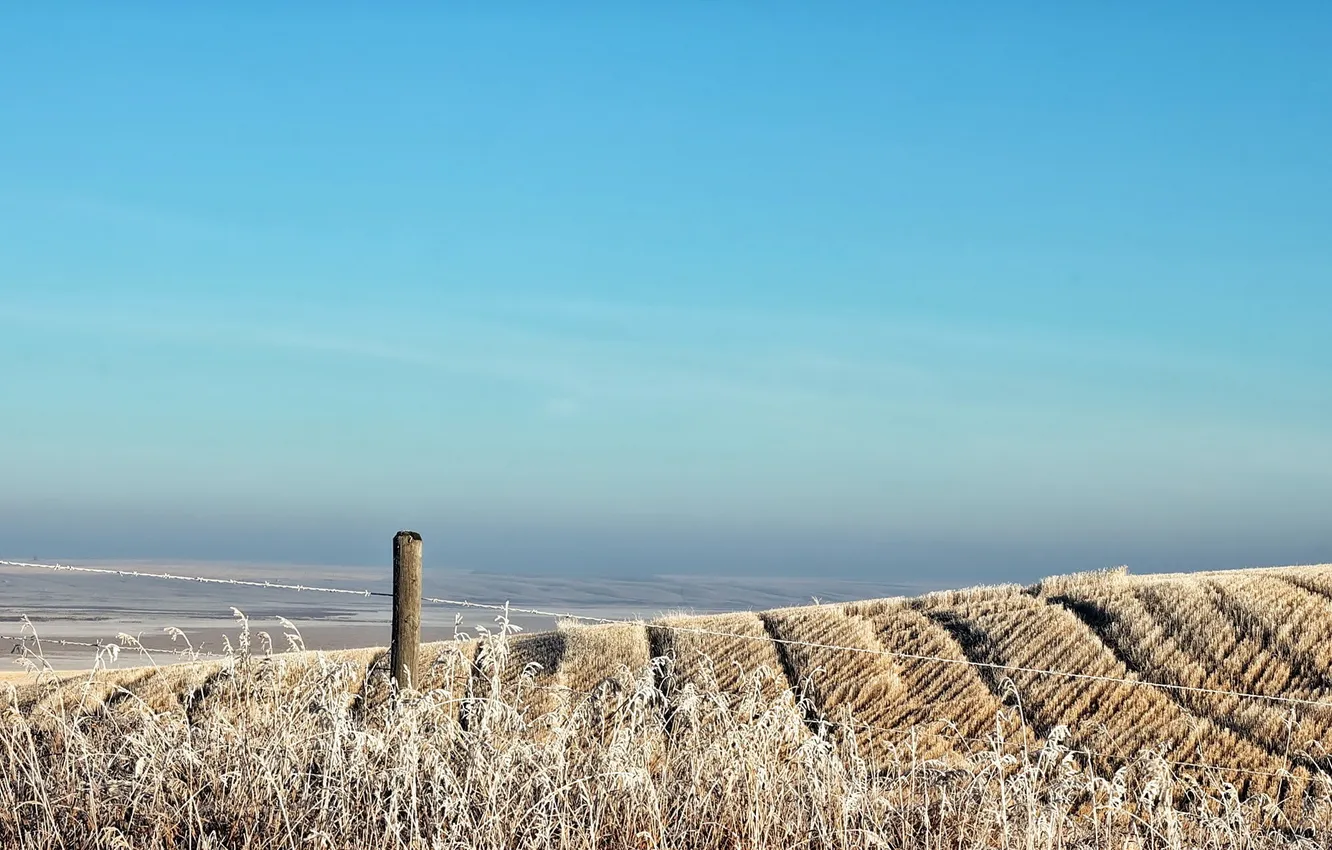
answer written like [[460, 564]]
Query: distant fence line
[[569, 615]]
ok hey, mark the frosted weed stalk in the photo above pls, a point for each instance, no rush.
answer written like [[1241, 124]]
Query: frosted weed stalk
[[307, 751]]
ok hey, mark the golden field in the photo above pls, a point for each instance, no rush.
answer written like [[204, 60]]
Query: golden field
[[1093, 710]]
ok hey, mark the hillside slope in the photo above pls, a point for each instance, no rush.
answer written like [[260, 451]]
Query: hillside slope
[[1067, 657]]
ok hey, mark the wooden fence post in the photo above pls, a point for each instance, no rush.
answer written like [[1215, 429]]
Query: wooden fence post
[[406, 641]]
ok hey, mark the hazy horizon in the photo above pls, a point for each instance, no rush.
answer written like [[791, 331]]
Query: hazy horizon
[[978, 294], [644, 550]]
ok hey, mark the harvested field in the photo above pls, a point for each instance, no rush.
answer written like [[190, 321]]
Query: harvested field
[[1103, 710]]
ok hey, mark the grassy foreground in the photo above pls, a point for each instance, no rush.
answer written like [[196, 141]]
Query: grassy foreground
[[656, 736]]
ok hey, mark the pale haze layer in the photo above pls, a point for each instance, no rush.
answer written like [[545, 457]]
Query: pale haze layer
[[871, 291]]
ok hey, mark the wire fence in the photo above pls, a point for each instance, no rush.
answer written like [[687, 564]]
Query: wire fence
[[508, 609], [267, 585], [695, 630], [23, 639]]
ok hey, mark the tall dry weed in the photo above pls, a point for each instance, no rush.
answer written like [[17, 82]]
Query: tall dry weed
[[303, 752]]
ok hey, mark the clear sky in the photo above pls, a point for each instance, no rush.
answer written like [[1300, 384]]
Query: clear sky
[[975, 290]]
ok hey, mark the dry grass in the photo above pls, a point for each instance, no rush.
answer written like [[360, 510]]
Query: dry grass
[[1203, 634], [657, 736]]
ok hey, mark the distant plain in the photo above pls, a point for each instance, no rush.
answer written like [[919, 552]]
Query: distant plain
[[96, 608]]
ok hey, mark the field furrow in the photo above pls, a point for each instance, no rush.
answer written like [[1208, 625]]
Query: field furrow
[[727, 652], [1113, 719], [1292, 622], [948, 705], [526, 666], [845, 686], [595, 654], [1314, 579], [1177, 634]]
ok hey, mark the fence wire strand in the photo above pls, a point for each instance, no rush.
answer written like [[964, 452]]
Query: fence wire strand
[[910, 656], [25, 639], [22, 641], [266, 585], [569, 615]]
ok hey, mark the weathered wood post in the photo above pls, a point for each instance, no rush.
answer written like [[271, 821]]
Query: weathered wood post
[[406, 641]]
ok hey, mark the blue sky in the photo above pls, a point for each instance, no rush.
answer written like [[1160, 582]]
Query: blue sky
[[874, 289]]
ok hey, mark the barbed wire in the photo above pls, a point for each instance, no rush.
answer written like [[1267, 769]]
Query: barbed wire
[[768, 639], [569, 615], [267, 585], [910, 656], [135, 646], [56, 641]]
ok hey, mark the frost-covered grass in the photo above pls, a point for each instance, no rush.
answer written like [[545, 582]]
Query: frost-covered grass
[[308, 751]]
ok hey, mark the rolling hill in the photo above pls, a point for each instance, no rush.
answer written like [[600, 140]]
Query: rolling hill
[[1227, 674]]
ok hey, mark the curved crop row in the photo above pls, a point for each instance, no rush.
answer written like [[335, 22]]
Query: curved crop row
[[1177, 633], [843, 686], [948, 706], [1113, 719]]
